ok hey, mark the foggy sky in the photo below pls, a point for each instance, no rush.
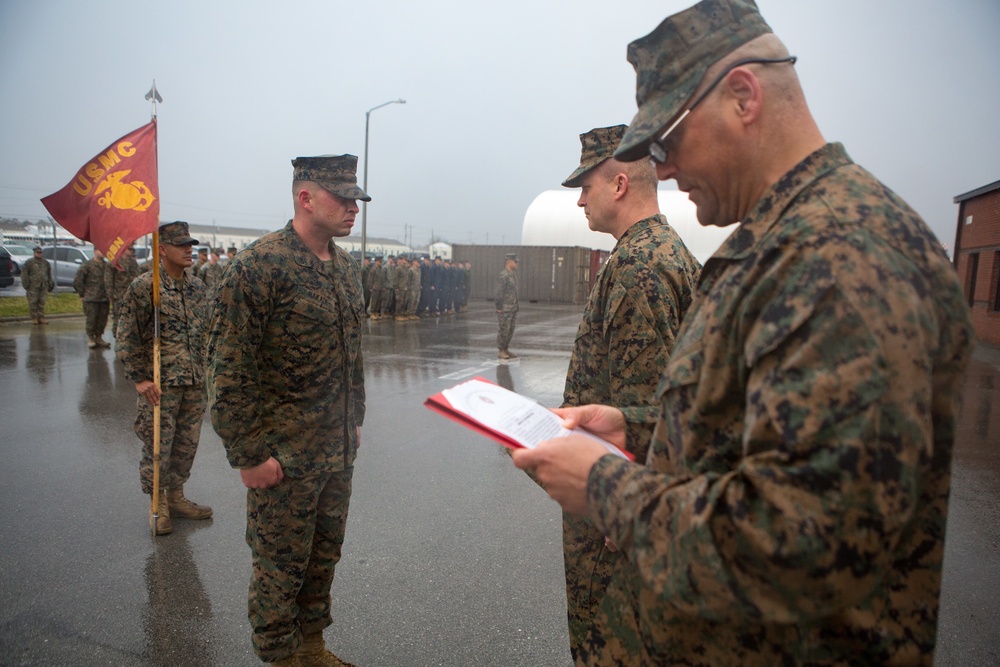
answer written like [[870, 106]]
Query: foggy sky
[[496, 96]]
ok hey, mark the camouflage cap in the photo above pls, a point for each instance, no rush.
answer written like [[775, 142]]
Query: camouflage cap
[[672, 60], [176, 233], [336, 173], [512, 255], [598, 145]]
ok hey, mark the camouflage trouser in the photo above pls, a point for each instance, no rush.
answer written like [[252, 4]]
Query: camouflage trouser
[[97, 317], [412, 301], [115, 309], [36, 301], [376, 308], [506, 329], [388, 296], [181, 412], [589, 565], [295, 531]]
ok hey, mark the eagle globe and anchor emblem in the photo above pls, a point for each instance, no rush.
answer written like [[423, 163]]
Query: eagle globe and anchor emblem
[[133, 196]]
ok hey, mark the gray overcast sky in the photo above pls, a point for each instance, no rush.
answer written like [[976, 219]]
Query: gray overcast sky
[[496, 94]]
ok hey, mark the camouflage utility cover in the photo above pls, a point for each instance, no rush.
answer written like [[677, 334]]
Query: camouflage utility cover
[[184, 312], [672, 60], [596, 146], [286, 377], [794, 504]]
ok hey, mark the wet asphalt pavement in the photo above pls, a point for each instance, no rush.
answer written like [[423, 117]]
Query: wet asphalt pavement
[[452, 557]]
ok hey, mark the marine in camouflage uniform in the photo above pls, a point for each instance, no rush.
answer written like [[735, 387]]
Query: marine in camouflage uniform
[[89, 284], [181, 394], [286, 389], [505, 300], [793, 506], [116, 281], [36, 278], [388, 288], [401, 286], [376, 279], [211, 273], [624, 340], [413, 290]]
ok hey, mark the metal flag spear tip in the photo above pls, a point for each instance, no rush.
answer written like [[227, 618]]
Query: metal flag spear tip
[[154, 96]]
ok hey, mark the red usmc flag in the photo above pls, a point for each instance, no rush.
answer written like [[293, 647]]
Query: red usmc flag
[[114, 198]]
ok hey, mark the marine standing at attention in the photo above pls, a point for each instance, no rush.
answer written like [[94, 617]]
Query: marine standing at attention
[[286, 388], [505, 300], [36, 278], [89, 284], [793, 507], [181, 394], [624, 340]]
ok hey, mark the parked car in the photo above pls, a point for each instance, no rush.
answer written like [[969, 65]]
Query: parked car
[[19, 254], [6, 268], [66, 260]]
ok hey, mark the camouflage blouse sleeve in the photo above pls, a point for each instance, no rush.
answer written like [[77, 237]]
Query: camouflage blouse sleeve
[[771, 536], [234, 383], [133, 344]]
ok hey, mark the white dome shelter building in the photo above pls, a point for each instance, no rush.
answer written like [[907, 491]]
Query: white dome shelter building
[[554, 219]]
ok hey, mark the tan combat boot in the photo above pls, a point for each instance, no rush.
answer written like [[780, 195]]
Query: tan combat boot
[[164, 526], [184, 508], [510, 355], [102, 343], [91, 342], [502, 354], [313, 653]]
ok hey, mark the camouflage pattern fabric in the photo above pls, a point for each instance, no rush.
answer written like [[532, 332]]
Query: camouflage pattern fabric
[[377, 279], [184, 315], [211, 275], [286, 379], [89, 284], [413, 289], [116, 281], [293, 569], [622, 346], [793, 506], [401, 282], [183, 318], [89, 281], [271, 392], [36, 278], [388, 288], [505, 299], [182, 410]]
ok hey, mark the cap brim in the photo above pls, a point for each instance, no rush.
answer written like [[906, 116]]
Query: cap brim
[[654, 116], [346, 191], [575, 179]]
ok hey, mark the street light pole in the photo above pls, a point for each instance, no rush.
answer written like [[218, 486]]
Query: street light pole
[[364, 204]]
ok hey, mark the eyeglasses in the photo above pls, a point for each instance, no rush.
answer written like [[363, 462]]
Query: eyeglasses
[[658, 151]]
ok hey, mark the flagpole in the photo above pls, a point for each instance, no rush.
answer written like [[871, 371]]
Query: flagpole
[[153, 96]]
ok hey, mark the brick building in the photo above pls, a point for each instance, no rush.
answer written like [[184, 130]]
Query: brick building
[[977, 257]]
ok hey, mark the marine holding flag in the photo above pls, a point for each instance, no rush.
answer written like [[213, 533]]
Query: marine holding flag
[[184, 312], [114, 198]]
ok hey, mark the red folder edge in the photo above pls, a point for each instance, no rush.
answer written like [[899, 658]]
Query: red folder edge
[[439, 404]]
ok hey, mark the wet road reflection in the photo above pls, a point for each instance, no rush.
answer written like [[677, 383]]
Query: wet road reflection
[[452, 556]]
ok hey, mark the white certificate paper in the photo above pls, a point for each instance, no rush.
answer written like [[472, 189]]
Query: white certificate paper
[[519, 418]]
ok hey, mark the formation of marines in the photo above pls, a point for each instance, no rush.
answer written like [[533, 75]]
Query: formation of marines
[[404, 289]]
